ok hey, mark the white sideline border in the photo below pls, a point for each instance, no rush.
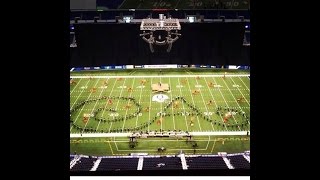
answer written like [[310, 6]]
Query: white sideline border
[[155, 76], [217, 133]]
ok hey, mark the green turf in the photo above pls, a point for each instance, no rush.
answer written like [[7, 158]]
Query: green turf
[[225, 96], [120, 146]]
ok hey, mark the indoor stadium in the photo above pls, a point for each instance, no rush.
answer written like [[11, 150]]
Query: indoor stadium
[[159, 85]]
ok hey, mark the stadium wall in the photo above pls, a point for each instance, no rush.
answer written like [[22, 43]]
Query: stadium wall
[[200, 43]]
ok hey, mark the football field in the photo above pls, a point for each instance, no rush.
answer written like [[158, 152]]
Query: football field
[[124, 101]]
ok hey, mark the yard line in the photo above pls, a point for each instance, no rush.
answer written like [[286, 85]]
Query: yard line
[[234, 98], [119, 7], [240, 92], [175, 7], [174, 124], [75, 86], [161, 110], [132, 72], [115, 143], [214, 142], [204, 103], [117, 103], [78, 96], [150, 106], [225, 100], [139, 5], [139, 103], [185, 117], [193, 103], [83, 106], [215, 104], [92, 111], [110, 147], [124, 122], [244, 84], [208, 143], [115, 82]]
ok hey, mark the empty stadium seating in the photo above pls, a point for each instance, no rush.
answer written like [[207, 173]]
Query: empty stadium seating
[[206, 163], [162, 163], [84, 164], [115, 164], [130, 163], [239, 162]]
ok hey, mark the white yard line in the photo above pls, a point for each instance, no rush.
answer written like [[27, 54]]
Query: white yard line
[[139, 6], [79, 95], [117, 103], [124, 122], [92, 110], [233, 98], [194, 104], [155, 76], [208, 143], [115, 82], [204, 103], [214, 143], [185, 117], [174, 124], [245, 84], [215, 104], [82, 106], [110, 147], [150, 106], [175, 7], [240, 92], [119, 7], [115, 143], [75, 86], [161, 110], [141, 109], [132, 72], [225, 101], [187, 72]]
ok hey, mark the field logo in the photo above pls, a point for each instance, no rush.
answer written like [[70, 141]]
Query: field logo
[[160, 97]]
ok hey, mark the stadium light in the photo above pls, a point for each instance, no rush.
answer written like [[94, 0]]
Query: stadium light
[[191, 18], [127, 19]]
